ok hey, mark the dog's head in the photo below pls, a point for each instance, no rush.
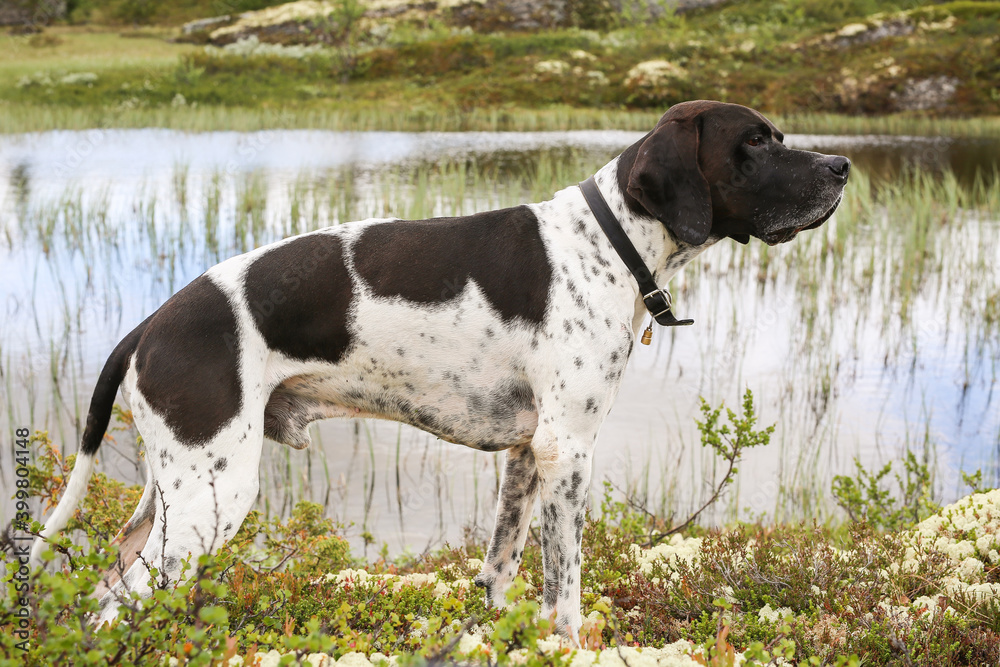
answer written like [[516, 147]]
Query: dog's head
[[710, 169]]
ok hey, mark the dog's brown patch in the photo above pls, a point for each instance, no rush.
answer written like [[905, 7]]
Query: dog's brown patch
[[299, 294], [130, 540], [432, 261], [188, 362]]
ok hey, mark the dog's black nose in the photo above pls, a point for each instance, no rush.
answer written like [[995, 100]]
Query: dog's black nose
[[839, 165]]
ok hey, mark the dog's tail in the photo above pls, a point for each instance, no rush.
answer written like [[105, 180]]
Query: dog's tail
[[98, 418]]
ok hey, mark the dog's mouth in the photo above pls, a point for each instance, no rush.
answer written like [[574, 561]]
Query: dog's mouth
[[785, 235]]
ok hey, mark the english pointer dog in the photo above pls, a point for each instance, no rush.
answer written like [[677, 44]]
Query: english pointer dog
[[504, 331]]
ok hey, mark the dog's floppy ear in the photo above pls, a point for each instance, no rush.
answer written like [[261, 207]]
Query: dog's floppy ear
[[667, 181]]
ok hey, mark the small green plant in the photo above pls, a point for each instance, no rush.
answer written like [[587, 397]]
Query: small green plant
[[519, 627], [182, 620], [975, 481], [866, 498], [729, 441], [718, 652]]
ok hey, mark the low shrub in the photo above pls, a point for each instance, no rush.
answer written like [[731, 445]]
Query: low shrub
[[288, 591]]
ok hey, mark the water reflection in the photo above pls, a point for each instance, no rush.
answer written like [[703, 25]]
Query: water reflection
[[886, 158], [867, 336]]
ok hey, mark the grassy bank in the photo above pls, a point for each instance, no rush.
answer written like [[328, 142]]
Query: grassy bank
[[880, 66], [290, 592]]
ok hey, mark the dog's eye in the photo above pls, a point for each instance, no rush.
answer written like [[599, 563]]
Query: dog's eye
[[755, 140]]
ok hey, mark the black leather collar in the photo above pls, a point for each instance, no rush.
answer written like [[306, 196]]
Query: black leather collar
[[658, 301]]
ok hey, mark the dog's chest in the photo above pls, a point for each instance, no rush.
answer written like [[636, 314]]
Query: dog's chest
[[459, 373]]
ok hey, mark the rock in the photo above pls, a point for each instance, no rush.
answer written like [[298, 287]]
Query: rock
[[489, 15], [852, 30], [311, 21], [289, 23], [492, 15], [654, 74], [321, 21], [206, 24], [874, 29], [862, 33], [681, 6], [926, 94]]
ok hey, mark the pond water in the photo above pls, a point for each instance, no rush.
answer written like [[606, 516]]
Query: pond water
[[876, 334]]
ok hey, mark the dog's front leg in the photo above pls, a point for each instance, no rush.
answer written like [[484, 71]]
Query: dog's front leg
[[518, 490], [564, 474]]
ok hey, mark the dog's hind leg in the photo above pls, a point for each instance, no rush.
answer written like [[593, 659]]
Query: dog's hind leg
[[518, 490], [200, 498]]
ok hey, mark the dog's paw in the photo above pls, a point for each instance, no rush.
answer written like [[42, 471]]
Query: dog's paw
[[486, 581]]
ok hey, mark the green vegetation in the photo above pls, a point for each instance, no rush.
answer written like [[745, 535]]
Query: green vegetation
[[807, 593], [845, 61], [865, 499]]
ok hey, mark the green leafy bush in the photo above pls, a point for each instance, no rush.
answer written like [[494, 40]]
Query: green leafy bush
[[864, 497]]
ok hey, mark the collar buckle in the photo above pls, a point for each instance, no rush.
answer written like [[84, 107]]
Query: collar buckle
[[658, 303]]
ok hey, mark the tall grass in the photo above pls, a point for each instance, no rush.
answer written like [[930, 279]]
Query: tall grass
[[31, 118], [893, 124], [20, 118]]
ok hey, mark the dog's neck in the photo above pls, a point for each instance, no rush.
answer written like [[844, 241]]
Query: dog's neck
[[663, 254]]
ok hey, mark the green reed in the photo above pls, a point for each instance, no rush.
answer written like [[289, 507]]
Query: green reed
[[922, 236], [19, 118]]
